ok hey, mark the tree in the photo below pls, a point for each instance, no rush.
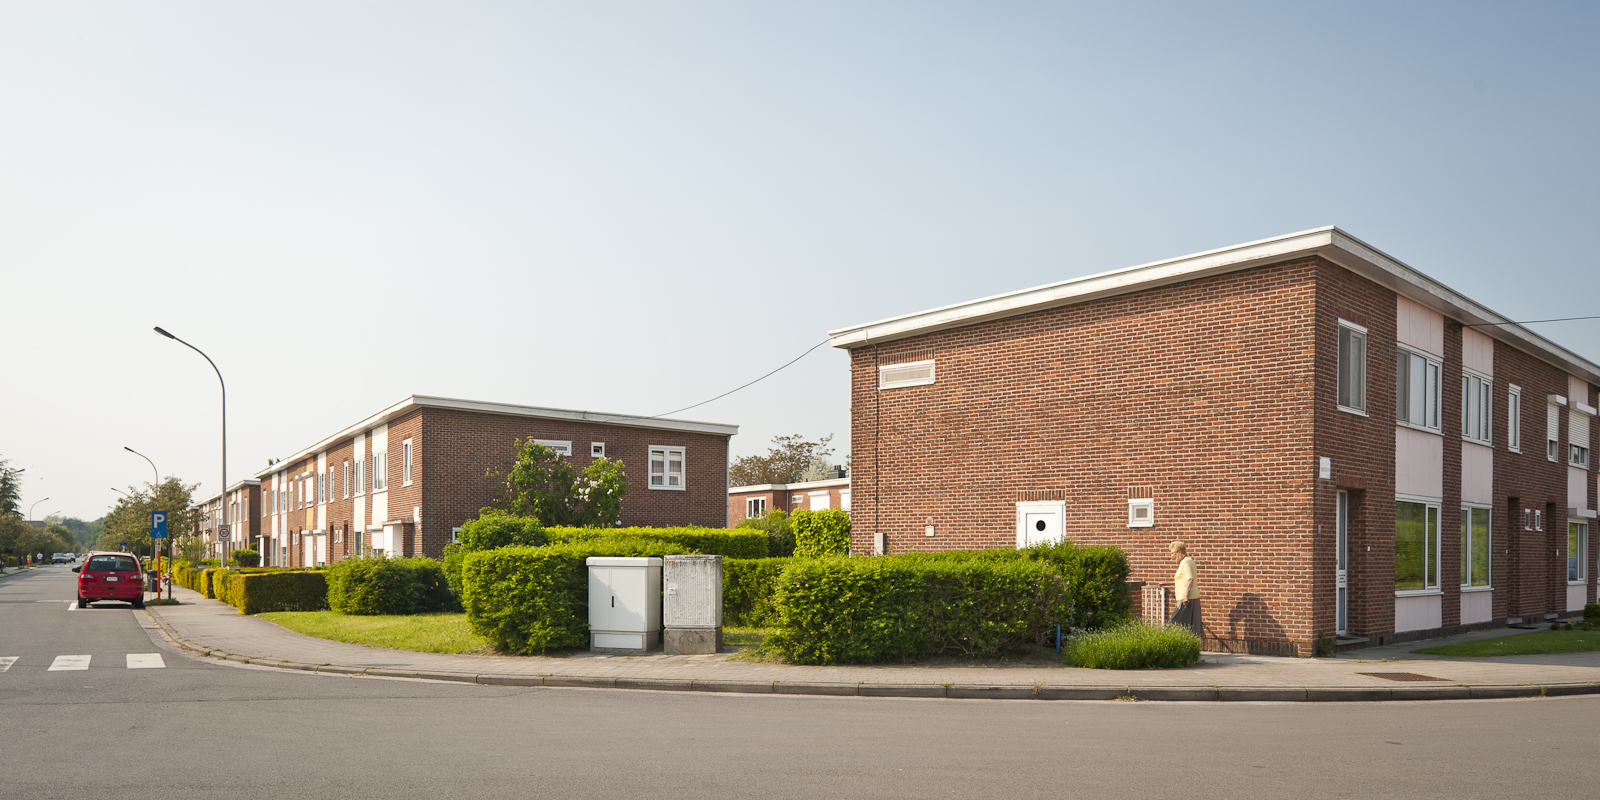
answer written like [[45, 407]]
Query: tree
[[19, 540], [792, 459], [10, 488], [129, 520], [543, 484]]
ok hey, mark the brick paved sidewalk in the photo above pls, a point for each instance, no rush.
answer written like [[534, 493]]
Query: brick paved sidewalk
[[210, 628]]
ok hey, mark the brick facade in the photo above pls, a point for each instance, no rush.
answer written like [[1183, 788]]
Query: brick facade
[[787, 497]]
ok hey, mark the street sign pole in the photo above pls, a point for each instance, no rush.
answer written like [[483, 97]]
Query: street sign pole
[[158, 530]]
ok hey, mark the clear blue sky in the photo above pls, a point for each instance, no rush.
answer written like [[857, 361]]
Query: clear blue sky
[[634, 207]]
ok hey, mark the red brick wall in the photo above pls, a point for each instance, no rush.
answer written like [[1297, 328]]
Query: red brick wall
[[403, 500]]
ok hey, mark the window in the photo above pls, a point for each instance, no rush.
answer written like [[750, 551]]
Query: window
[[1578, 439], [666, 467], [346, 479], [1477, 408], [360, 484], [755, 507], [380, 471], [1578, 552], [1514, 418], [796, 500], [1352, 366], [1417, 398], [1416, 546], [455, 535], [562, 446], [911, 373], [1532, 520], [405, 463], [1474, 546], [1552, 432], [322, 489], [597, 449]]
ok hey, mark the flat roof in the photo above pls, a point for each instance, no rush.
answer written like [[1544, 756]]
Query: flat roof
[[825, 483], [1329, 242], [479, 407]]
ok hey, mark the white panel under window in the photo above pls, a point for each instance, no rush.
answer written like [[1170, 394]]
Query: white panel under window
[[564, 447], [911, 373]]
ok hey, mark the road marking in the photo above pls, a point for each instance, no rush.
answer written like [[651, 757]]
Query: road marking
[[146, 661], [6, 662], [69, 663], [73, 607]]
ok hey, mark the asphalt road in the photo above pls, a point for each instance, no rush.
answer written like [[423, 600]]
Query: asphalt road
[[200, 729]]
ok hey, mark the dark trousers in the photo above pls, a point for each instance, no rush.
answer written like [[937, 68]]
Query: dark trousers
[[1188, 614]]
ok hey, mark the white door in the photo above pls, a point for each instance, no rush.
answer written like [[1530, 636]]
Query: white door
[[601, 600], [1342, 573], [1040, 522]]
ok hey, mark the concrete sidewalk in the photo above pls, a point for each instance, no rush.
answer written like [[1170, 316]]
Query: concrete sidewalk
[[213, 629]]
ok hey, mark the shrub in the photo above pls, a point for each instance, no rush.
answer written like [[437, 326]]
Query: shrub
[[818, 534], [725, 542], [1096, 576], [1591, 612], [857, 611], [379, 585], [1134, 645], [779, 530], [748, 586], [494, 529], [533, 599], [277, 590], [542, 483], [245, 558]]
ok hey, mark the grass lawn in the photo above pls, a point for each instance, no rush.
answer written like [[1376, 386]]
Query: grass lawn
[[1522, 644], [423, 633], [744, 636]]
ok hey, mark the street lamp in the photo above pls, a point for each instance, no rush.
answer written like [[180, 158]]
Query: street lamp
[[119, 491], [223, 487], [155, 489], [35, 505]]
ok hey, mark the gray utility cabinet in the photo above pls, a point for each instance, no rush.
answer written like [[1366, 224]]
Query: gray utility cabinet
[[692, 604], [624, 604]]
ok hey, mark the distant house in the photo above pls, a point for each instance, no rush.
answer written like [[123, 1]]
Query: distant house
[[244, 527], [1351, 448], [757, 500]]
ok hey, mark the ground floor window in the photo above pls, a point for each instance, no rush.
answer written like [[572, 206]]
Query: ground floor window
[[1416, 546], [755, 507], [1474, 546], [1577, 551]]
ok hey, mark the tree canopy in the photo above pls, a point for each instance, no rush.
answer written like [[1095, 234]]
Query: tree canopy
[[10, 488], [543, 484], [792, 459], [129, 521]]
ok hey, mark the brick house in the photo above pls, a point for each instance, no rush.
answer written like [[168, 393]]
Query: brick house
[[1351, 448], [402, 481], [758, 499], [244, 527]]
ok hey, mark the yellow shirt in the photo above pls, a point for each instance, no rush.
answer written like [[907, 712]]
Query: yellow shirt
[[1183, 581]]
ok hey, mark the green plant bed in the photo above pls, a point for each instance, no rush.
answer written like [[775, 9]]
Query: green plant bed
[[1136, 645], [423, 633], [1521, 644], [744, 637]]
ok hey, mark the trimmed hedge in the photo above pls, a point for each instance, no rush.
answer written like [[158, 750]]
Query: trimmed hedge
[[493, 529], [379, 585], [276, 590], [818, 534], [725, 542], [863, 611], [533, 599], [748, 586], [1136, 645], [780, 532], [245, 558]]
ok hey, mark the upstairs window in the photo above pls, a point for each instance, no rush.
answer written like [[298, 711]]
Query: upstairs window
[[1417, 398], [361, 485], [322, 488], [380, 471], [1552, 432], [1514, 418], [347, 479], [1352, 366], [666, 467], [1578, 439], [1477, 408], [405, 463]]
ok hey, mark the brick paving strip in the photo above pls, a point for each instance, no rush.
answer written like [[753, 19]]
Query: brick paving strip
[[213, 629]]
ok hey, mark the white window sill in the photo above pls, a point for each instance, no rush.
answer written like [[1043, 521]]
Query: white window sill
[[1578, 583], [1516, 450], [1479, 442], [1420, 428], [668, 488], [1418, 592], [406, 483], [1474, 589], [1348, 410]]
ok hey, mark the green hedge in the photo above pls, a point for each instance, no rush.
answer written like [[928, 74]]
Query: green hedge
[[818, 534], [780, 532], [382, 585], [725, 542], [276, 590], [1136, 645], [534, 599], [245, 558], [494, 529], [862, 611], [748, 586]]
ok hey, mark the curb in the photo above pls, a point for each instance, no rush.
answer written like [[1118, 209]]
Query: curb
[[1170, 694]]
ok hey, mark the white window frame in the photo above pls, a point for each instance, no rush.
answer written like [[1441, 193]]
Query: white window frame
[[1437, 506], [667, 451], [361, 479], [1466, 555], [1514, 418], [455, 535], [1358, 383], [597, 449], [1138, 520], [561, 446], [405, 462], [380, 471], [887, 382], [1583, 551], [1433, 365], [1477, 428], [347, 479], [755, 507]]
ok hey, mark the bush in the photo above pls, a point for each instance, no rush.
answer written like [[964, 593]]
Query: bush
[[533, 599], [818, 534], [370, 586], [1135, 645], [779, 530], [1591, 612], [245, 558], [861, 611], [493, 529], [725, 542], [277, 590], [748, 586], [1096, 576]]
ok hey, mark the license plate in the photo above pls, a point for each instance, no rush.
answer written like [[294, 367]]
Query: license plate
[[113, 579]]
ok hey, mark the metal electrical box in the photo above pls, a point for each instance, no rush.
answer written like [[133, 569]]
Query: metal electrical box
[[692, 605], [624, 604]]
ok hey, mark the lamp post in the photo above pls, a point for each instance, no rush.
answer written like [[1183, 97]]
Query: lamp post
[[223, 487], [155, 490], [35, 505]]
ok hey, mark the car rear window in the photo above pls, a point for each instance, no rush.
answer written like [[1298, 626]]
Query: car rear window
[[112, 564]]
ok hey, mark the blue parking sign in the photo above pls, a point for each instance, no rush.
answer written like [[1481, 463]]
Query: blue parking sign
[[158, 524]]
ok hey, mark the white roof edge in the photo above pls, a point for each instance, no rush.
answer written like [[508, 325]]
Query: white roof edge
[[234, 488], [1329, 241], [426, 401], [784, 487]]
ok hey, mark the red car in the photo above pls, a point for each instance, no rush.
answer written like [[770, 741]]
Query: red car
[[110, 576]]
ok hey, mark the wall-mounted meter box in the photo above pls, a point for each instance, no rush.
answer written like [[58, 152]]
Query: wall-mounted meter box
[[624, 604]]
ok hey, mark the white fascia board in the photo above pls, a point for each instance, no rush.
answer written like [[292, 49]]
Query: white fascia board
[[830, 483], [1329, 242]]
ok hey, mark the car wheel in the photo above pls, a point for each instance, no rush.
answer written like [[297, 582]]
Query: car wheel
[[82, 603], [139, 603]]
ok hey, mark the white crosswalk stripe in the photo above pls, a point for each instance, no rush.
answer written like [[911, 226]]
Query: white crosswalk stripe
[[145, 661], [6, 662], [69, 663]]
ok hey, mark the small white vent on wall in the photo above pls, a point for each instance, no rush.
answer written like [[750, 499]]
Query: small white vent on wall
[[597, 449], [1141, 513], [912, 373]]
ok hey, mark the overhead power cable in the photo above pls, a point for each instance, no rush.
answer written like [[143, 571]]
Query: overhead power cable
[[1523, 322], [752, 383]]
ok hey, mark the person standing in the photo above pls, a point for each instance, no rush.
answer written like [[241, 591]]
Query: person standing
[[1186, 589]]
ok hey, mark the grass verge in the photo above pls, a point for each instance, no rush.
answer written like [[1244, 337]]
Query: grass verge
[[422, 633], [1136, 645], [1521, 644]]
